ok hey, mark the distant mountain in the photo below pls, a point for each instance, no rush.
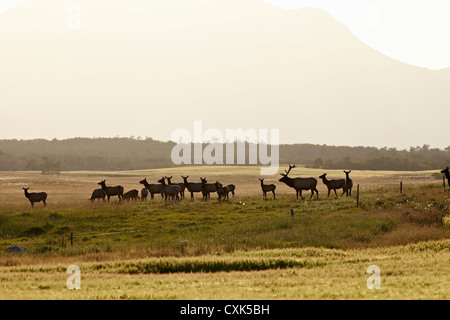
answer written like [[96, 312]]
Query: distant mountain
[[149, 67]]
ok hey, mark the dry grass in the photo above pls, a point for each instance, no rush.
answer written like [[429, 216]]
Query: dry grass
[[322, 253]]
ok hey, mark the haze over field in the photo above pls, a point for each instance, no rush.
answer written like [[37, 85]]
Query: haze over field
[[146, 68]]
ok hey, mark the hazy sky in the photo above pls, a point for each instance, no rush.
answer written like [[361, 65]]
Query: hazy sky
[[412, 31], [85, 68]]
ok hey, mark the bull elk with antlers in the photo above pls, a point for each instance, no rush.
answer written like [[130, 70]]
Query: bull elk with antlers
[[299, 184]]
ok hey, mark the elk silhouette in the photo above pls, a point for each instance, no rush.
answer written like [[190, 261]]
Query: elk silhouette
[[36, 197], [144, 194], [349, 182], [98, 194], [112, 191], [153, 188], [181, 185], [222, 191], [267, 188], [131, 195], [207, 188], [447, 174], [231, 188], [334, 184], [300, 184], [192, 187], [169, 190]]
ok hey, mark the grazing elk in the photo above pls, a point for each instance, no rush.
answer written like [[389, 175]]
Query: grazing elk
[[207, 188], [112, 191], [36, 197], [192, 186], [153, 188], [334, 184], [222, 191], [169, 190], [144, 194], [349, 183], [181, 185], [447, 174], [299, 184], [98, 194], [267, 188], [131, 195]]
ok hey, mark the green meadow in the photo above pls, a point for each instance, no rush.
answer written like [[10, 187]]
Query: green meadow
[[241, 248]]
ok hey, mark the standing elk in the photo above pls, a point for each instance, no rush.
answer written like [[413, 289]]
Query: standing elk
[[334, 184], [231, 188], [169, 190], [181, 185], [98, 194], [131, 195], [222, 191], [299, 184], [349, 183], [207, 188], [192, 186], [112, 191], [267, 188], [153, 188], [447, 175], [36, 197], [144, 194]]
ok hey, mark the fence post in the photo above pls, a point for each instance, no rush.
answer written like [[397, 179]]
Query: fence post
[[71, 239], [401, 187], [357, 195], [292, 213]]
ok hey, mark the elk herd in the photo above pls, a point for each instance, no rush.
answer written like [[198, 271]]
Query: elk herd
[[176, 191], [168, 190]]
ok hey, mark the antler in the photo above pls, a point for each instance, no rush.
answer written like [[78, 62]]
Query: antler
[[287, 171], [290, 167]]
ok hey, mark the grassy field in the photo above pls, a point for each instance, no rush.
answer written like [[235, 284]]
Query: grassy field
[[243, 248]]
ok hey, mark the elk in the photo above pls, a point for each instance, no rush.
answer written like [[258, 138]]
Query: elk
[[222, 191], [131, 195], [144, 194], [181, 185], [349, 182], [231, 188], [152, 188], [112, 191], [36, 197], [170, 190], [192, 186], [334, 184], [98, 194], [267, 188], [447, 174], [299, 184], [207, 188]]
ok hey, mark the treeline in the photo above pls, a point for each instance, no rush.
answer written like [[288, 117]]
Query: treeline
[[367, 158], [115, 154]]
